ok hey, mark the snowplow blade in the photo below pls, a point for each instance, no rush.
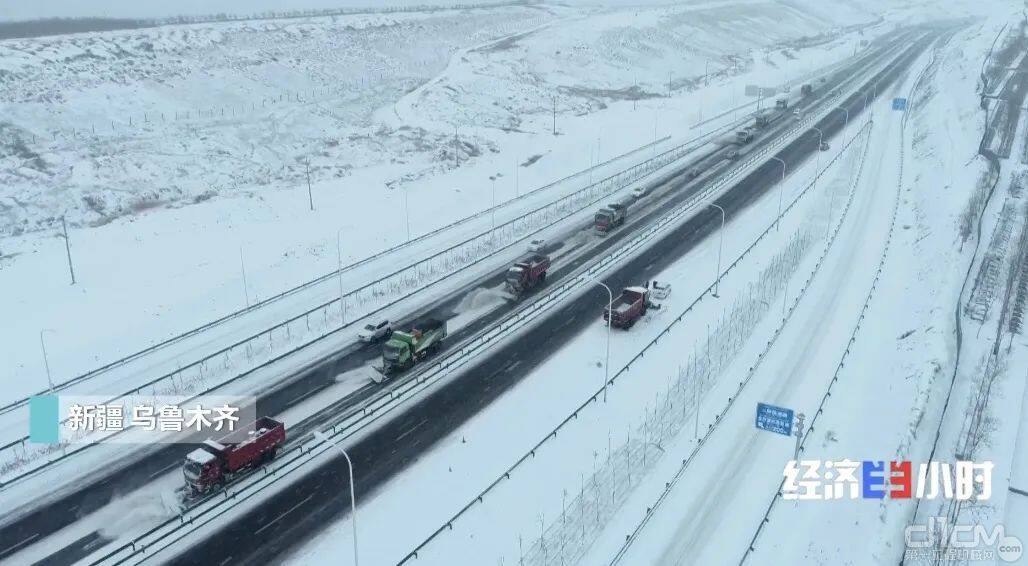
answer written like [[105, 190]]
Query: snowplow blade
[[379, 375]]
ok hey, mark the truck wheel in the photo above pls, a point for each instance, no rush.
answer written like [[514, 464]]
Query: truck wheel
[[542, 278], [270, 454]]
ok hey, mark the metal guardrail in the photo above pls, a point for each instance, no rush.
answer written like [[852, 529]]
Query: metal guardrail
[[380, 405], [199, 372], [479, 498], [669, 485], [320, 279], [366, 414], [552, 434]]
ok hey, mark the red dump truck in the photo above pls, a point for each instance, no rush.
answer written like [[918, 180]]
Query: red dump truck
[[216, 461], [628, 308], [526, 274], [611, 216]]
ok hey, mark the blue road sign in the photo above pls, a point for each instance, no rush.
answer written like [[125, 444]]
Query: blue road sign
[[774, 419], [899, 104]]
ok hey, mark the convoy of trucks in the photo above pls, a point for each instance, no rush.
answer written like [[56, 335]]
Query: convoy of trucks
[[526, 274], [215, 462], [404, 349]]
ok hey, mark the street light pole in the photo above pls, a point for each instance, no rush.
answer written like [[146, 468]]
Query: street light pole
[[606, 364], [406, 211], [720, 245], [817, 168], [339, 274], [845, 124], [242, 267], [781, 192], [46, 361], [353, 497], [67, 249], [493, 181]]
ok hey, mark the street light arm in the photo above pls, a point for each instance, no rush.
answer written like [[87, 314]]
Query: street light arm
[[353, 496]]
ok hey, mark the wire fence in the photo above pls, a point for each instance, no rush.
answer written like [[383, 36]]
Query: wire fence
[[20, 458], [414, 554], [765, 520], [568, 538], [355, 418]]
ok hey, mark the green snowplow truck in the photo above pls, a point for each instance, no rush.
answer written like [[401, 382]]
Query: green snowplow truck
[[404, 349]]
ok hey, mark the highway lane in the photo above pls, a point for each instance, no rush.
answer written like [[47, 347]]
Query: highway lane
[[323, 375], [380, 455]]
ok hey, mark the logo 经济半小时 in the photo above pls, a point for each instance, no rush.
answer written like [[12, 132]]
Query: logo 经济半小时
[[868, 479]]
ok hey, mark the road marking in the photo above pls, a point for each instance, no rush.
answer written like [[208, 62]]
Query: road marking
[[291, 509], [5, 551], [305, 395], [412, 429], [164, 469]]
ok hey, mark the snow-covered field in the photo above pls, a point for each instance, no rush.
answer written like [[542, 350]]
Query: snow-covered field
[[181, 208], [179, 156]]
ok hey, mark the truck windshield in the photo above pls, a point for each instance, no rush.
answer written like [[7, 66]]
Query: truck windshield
[[191, 469], [392, 351], [602, 219]]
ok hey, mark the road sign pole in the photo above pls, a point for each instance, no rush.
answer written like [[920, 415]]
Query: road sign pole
[[799, 435]]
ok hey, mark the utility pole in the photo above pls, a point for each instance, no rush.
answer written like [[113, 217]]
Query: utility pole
[[554, 115], [242, 266], [456, 149], [310, 195], [492, 180], [67, 249], [46, 361], [406, 212]]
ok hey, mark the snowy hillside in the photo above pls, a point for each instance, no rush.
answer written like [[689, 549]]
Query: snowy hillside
[[193, 200], [97, 126], [104, 125]]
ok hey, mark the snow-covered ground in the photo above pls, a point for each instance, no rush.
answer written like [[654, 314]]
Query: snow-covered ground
[[164, 210], [534, 496], [882, 284], [158, 252]]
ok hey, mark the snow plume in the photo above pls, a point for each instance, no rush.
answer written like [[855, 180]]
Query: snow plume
[[124, 515], [483, 297]]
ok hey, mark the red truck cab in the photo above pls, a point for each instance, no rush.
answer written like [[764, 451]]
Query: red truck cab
[[627, 308], [526, 274], [216, 461]]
